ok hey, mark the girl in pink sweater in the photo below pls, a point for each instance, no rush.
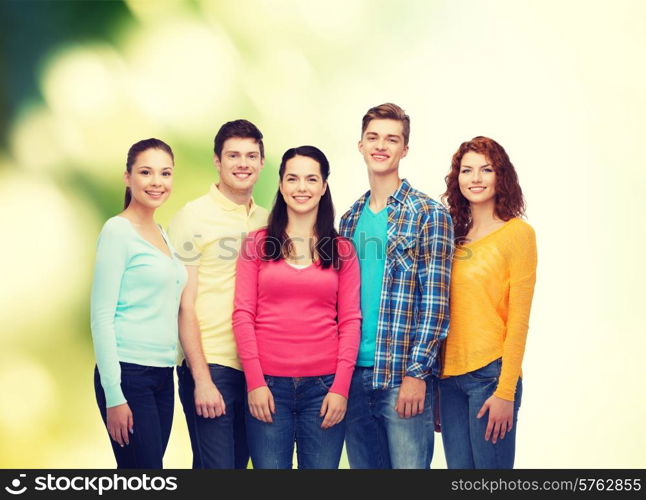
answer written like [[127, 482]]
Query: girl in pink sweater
[[297, 321]]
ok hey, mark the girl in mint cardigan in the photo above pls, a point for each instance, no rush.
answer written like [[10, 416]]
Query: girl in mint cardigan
[[134, 308]]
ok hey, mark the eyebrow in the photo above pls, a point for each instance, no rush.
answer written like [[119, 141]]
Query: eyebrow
[[481, 166], [394, 136], [146, 166], [398, 136]]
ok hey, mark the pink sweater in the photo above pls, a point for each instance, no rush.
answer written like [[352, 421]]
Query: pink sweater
[[292, 322]]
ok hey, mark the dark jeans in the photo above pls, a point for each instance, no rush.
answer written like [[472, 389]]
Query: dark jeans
[[463, 435], [377, 437], [150, 393], [221, 442], [297, 420]]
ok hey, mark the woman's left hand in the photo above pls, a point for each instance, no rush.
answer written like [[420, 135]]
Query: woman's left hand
[[333, 409], [501, 417]]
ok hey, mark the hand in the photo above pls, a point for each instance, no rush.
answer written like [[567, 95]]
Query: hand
[[261, 404], [501, 417], [120, 423], [410, 400], [209, 402], [333, 409]]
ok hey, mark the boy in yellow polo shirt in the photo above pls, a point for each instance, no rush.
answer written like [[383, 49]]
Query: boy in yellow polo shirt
[[207, 234]]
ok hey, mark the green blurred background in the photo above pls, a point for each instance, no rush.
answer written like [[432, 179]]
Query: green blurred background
[[559, 84]]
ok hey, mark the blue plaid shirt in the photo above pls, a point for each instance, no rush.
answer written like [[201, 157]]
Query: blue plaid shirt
[[414, 310]]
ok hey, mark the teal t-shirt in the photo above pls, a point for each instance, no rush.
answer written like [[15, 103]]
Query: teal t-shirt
[[370, 239]]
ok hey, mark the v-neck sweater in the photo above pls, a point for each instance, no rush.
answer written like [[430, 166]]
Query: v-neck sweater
[[134, 305], [291, 322], [492, 285]]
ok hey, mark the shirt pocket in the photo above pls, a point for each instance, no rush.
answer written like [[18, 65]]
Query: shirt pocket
[[403, 252]]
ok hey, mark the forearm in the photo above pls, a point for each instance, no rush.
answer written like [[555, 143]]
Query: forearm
[[512, 359], [421, 359], [431, 331], [520, 299], [245, 335], [104, 342], [191, 340], [349, 338]]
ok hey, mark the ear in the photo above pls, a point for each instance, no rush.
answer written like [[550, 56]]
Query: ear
[[360, 146], [324, 188], [405, 152], [217, 163], [126, 178], [262, 164]]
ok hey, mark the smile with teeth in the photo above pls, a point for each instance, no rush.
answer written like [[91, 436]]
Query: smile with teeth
[[301, 198], [242, 175], [380, 157], [477, 189], [155, 194]]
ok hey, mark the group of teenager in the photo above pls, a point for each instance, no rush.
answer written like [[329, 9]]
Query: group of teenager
[[410, 319]]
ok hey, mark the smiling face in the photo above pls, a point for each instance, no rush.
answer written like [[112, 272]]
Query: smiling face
[[150, 178], [382, 145], [239, 164], [477, 179], [302, 185]]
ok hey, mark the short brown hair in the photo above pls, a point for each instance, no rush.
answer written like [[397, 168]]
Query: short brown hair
[[242, 129], [388, 111]]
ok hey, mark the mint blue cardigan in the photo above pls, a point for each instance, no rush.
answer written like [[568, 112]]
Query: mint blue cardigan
[[134, 306]]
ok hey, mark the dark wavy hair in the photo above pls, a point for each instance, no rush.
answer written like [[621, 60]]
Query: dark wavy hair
[[509, 201], [277, 244], [135, 150]]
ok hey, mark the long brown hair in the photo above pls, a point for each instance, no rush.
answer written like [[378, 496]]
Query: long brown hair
[[509, 201]]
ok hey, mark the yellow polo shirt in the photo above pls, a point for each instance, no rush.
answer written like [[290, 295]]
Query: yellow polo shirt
[[208, 233]]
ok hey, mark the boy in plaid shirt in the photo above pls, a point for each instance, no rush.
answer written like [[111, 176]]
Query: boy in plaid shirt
[[404, 241]]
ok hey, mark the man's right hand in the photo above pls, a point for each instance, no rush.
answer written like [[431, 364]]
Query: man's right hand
[[261, 404], [209, 403]]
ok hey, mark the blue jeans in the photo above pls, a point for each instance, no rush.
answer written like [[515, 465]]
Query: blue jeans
[[377, 437], [463, 435], [150, 393], [221, 442], [298, 403]]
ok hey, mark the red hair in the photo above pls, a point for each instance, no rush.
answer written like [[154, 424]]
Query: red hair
[[509, 201]]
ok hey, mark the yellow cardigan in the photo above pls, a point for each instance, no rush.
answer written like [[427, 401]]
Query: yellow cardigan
[[492, 284]]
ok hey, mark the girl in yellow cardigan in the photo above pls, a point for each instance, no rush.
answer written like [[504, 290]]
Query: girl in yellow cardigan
[[492, 283]]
